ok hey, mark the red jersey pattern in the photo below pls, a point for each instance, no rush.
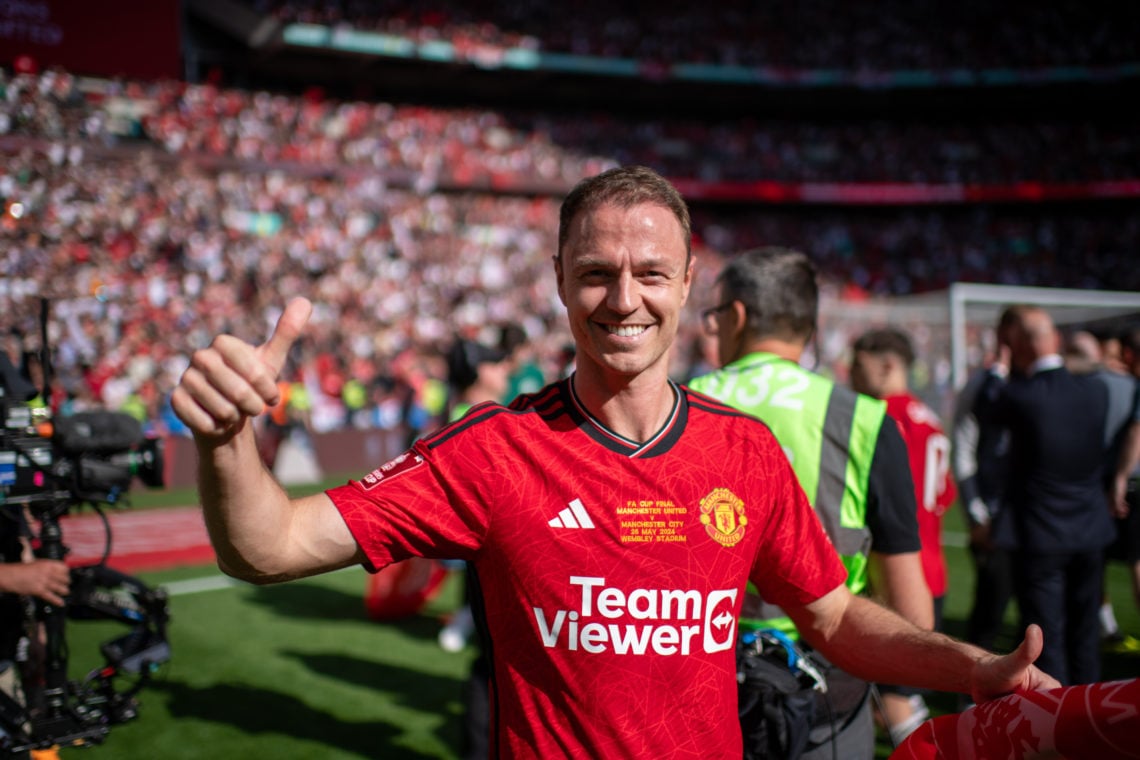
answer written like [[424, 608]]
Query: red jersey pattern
[[611, 573], [1098, 721], [929, 453]]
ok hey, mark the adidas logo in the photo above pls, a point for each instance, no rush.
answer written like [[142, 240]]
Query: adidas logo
[[573, 516]]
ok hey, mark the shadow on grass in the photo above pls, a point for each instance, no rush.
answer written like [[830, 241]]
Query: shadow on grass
[[406, 686], [304, 602], [257, 711]]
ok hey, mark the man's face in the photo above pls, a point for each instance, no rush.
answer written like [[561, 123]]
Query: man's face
[[623, 277], [864, 374], [494, 377], [722, 322]]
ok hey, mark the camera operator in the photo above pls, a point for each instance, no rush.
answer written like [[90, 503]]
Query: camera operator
[[21, 574]]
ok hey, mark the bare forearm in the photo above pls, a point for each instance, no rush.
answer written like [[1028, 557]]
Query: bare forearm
[[259, 533], [1130, 453], [246, 511], [1129, 459], [901, 583], [878, 645]]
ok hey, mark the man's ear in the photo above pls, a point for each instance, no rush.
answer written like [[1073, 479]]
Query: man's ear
[[739, 319], [558, 277], [687, 280]]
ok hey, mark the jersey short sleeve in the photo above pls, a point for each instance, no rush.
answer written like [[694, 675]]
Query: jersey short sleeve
[[891, 508], [417, 505]]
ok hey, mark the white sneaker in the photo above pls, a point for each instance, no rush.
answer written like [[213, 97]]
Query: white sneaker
[[919, 713], [453, 636]]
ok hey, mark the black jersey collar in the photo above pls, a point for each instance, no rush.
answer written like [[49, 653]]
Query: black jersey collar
[[661, 441]]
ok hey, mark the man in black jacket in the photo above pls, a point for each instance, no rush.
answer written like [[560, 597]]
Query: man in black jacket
[[1058, 521]]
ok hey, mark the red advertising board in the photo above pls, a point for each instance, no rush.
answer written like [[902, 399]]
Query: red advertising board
[[140, 39]]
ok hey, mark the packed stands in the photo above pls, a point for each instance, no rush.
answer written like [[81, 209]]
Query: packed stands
[[157, 214]]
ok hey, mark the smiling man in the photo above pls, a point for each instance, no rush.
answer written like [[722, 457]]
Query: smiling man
[[612, 519]]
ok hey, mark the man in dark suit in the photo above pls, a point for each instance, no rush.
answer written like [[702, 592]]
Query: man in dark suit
[[1058, 520]]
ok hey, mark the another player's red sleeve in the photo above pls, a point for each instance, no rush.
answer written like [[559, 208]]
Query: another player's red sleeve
[[1099, 721]]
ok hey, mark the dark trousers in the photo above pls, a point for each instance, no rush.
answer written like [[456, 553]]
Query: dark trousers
[[993, 588], [1062, 593]]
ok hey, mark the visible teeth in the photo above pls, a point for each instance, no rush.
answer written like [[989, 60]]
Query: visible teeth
[[625, 331]]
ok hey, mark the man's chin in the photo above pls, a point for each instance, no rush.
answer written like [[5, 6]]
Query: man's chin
[[628, 365]]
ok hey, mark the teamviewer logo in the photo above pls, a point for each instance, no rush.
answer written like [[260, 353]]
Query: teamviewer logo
[[573, 516], [720, 623]]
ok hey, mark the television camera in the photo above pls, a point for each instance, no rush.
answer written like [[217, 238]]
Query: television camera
[[47, 467]]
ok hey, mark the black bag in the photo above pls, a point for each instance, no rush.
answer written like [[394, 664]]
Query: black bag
[[777, 707]]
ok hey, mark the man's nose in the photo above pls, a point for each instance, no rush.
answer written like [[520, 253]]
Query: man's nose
[[623, 296]]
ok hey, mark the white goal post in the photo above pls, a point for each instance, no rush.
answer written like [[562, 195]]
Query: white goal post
[[953, 328], [970, 303]]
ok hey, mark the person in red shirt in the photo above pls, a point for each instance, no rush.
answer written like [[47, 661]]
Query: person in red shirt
[[880, 367], [613, 519]]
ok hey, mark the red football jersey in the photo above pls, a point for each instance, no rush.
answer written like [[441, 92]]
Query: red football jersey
[[1098, 721], [611, 572], [934, 490]]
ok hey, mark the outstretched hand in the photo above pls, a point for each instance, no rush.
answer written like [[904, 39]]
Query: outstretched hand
[[231, 380], [999, 675]]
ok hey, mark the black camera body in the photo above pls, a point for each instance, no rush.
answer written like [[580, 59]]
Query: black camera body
[[84, 457], [47, 467]]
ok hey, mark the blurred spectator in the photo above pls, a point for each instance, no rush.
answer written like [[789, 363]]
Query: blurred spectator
[[526, 376], [881, 367], [1057, 519]]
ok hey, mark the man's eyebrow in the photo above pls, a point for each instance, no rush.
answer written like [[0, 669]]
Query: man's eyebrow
[[592, 262], [597, 262]]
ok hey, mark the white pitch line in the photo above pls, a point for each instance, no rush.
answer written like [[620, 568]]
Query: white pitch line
[[215, 583], [198, 585]]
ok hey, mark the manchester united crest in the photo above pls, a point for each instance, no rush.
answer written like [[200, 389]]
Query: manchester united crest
[[722, 514]]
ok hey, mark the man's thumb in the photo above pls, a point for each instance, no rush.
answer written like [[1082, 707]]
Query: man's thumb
[[1031, 645], [289, 327]]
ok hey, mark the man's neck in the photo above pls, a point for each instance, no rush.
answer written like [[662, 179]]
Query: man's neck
[[634, 408], [1044, 363], [781, 348], [894, 386]]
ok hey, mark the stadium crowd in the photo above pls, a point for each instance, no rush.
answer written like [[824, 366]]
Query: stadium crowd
[[813, 35], [521, 149], [133, 206]]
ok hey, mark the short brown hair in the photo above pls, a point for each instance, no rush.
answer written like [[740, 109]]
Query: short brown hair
[[625, 187], [886, 340]]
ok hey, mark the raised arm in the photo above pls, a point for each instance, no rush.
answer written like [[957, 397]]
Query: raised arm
[[258, 532], [875, 644]]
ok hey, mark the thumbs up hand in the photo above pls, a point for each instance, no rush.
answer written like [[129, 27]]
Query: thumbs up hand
[[232, 380]]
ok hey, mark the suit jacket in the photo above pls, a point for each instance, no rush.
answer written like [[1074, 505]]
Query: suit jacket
[[979, 448], [1056, 499]]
